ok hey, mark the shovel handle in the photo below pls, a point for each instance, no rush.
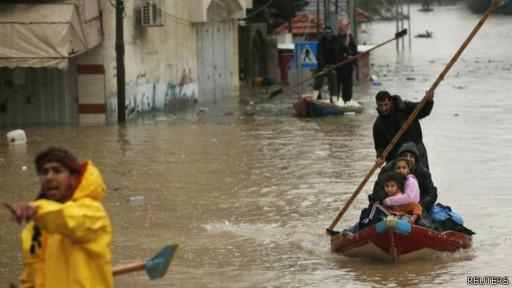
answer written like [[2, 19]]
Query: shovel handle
[[128, 268]]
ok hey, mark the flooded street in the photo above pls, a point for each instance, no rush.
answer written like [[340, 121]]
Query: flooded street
[[248, 189]]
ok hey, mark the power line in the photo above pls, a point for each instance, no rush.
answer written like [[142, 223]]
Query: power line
[[259, 9], [176, 18]]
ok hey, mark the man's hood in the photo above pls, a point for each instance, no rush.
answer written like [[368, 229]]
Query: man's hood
[[410, 147]]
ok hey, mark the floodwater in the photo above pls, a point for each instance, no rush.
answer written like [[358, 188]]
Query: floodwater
[[247, 189]]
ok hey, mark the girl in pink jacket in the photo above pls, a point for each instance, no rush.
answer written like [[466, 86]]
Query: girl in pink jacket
[[411, 191]]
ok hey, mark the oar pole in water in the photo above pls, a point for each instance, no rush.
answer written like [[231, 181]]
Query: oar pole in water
[[346, 61], [427, 97]]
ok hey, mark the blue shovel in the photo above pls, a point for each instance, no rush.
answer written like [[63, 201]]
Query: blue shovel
[[155, 267]]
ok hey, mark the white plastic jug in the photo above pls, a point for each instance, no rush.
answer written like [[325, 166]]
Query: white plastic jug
[[17, 137]]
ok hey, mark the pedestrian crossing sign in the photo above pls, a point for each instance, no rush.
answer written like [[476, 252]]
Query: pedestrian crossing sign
[[306, 54]]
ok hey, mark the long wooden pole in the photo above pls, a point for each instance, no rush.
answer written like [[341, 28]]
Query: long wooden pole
[[415, 112], [348, 60]]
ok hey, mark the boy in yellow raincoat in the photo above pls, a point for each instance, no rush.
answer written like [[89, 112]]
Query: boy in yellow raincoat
[[67, 239]]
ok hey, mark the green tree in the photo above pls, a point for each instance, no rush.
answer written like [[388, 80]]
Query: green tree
[[275, 12]]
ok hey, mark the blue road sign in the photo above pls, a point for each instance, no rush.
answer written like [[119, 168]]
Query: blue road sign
[[306, 54]]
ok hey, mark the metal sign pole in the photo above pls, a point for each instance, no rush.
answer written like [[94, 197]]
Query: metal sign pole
[[297, 64]]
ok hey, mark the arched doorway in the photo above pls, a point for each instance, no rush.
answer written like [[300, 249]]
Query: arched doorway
[[215, 53], [258, 57]]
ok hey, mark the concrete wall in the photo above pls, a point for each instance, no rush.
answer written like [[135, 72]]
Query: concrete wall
[[91, 86], [161, 62]]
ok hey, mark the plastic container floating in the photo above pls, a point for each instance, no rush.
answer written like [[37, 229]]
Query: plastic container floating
[[16, 137]]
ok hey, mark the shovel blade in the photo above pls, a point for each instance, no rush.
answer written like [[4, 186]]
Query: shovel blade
[[158, 265]]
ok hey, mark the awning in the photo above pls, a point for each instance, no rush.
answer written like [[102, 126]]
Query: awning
[[41, 35]]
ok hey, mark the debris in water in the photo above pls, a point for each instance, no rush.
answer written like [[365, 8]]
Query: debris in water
[[427, 34], [17, 137], [375, 81], [136, 200]]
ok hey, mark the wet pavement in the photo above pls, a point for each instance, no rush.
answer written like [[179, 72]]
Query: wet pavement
[[247, 189]]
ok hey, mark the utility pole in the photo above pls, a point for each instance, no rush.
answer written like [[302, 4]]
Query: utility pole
[[353, 19], [397, 24], [409, 32], [121, 91], [318, 19], [328, 17], [326, 14], [402, 25]]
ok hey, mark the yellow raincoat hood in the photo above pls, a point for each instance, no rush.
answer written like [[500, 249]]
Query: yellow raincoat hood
[[75, 245], [91, 184]]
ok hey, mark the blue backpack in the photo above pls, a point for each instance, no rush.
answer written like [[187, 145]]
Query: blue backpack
[[441, 212]]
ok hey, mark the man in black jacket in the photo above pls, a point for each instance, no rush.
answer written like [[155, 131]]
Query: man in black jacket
[[345, 72], [393, 112], [428, 192], [329, 54]]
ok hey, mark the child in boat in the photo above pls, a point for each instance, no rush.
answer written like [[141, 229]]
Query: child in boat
[[399, 203], [411, 190], [402, 198]]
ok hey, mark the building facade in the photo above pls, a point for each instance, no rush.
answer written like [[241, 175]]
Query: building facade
[[176, 52]]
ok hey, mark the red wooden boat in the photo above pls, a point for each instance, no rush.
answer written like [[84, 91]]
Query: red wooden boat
[[394, 239]]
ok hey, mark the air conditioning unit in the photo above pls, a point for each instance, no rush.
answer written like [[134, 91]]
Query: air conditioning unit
[[151, 13]]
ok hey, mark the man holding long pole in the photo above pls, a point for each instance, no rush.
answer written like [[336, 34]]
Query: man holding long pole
[[414, 114], [393, 112], [329, 48]]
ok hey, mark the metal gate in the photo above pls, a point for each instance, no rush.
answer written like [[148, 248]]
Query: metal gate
[[215, 52], [38, 96]]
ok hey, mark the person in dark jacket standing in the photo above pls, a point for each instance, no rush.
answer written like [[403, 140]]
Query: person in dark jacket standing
[[345, 72], [428, 192], [393, 113], [328, 55]]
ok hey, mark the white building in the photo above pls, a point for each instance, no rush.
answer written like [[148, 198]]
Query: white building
[[59, 63]]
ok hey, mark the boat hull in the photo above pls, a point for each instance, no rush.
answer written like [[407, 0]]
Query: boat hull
[[307, 107], [393, 239]]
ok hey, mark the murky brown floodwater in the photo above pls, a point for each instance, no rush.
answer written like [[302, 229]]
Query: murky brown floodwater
[[248, 195]]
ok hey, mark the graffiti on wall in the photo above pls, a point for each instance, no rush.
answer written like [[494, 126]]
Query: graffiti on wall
[[144, 96]]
